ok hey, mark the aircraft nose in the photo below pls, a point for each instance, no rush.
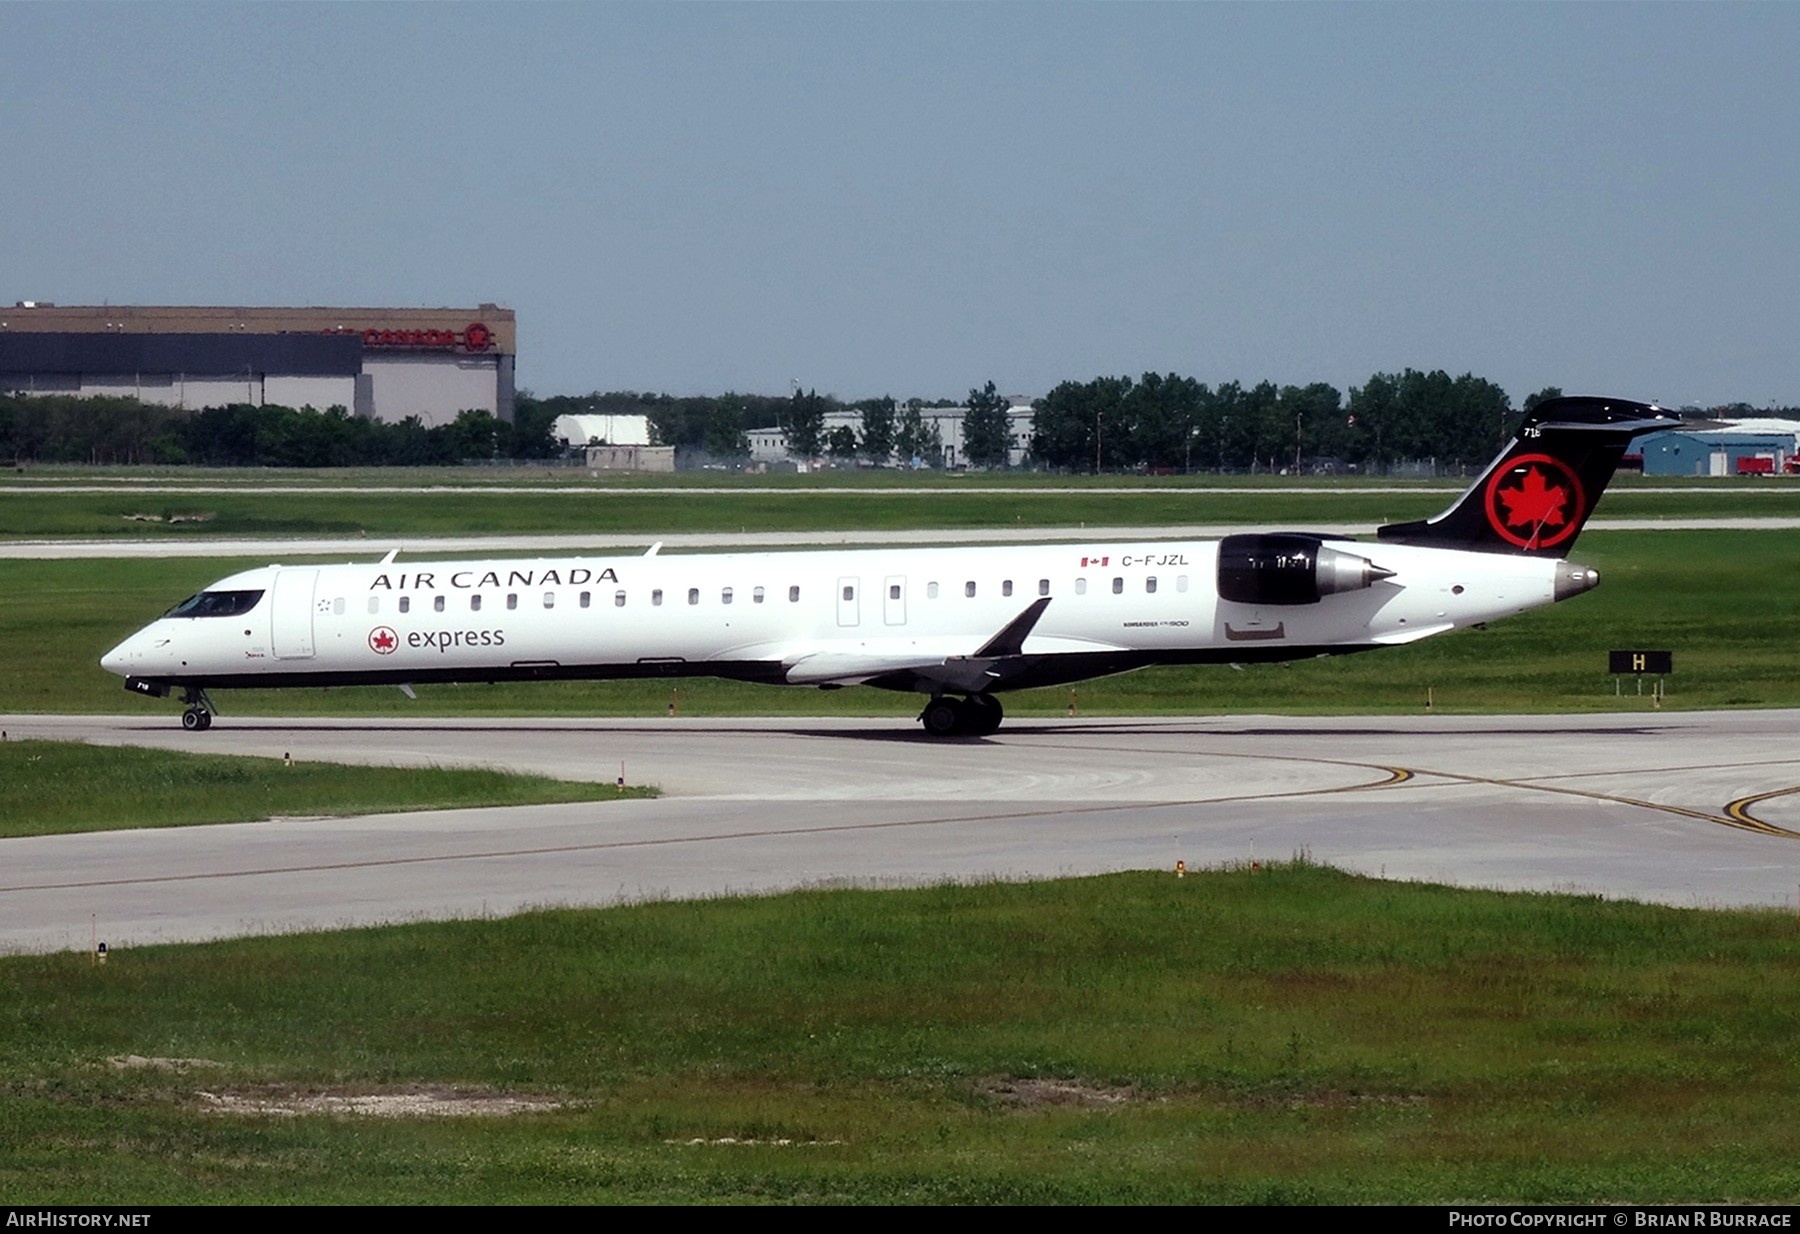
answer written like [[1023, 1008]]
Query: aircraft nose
[[119, 659]]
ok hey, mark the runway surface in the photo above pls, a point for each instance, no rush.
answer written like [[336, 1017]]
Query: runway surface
[[1686, 809]]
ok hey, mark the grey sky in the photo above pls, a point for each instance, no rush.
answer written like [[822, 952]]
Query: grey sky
[[913, 199]]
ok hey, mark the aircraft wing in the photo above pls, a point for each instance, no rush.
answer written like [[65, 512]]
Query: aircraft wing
[[946, 666], [853, 668], [961, 674]]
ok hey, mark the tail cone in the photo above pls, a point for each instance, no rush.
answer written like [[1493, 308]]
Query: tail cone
[[1572, 580]]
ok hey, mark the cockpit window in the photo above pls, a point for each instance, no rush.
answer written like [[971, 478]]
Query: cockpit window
[[216, 604]]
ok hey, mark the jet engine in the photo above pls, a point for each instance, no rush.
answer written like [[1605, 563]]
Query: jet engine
[[1290, 569]]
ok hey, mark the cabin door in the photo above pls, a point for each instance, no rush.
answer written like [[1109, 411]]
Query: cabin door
[[893, 604], [292, 633], [849, 604]]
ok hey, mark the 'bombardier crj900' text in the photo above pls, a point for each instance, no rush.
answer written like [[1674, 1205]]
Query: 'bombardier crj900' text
[[958, 625]]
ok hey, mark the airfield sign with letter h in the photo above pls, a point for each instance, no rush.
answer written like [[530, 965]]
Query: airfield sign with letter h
[[1637, 664]]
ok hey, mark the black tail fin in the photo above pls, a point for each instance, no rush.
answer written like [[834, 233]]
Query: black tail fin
[[1536, 496]]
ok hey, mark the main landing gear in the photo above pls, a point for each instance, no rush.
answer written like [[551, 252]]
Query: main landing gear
[[974, 716]]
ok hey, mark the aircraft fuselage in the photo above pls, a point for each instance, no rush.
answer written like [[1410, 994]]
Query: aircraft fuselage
[[809, 618]]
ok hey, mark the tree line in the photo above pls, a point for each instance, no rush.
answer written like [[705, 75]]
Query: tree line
[[102, 430], [1166, 421], [1156, 422]]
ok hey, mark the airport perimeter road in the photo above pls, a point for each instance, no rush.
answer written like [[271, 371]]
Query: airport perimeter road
[[1687, 809]]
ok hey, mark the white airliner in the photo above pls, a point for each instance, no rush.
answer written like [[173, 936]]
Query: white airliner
[[958, 625]]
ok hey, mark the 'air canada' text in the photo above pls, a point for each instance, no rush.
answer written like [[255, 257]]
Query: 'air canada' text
[[555, 576]]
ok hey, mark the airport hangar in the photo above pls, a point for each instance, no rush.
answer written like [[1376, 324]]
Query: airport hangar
[[380, 363]]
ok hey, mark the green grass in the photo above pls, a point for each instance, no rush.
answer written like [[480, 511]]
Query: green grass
[[799, 503], [1725, 602], [543, 476], [1285, 1035], [536, 475], [51, 787], [627, 511]]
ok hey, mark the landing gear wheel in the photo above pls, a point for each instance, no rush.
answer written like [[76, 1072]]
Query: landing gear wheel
[[196, 719], [982, 714], [942, 717]]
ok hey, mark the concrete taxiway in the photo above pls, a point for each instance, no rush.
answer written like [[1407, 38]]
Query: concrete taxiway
[[1686, 809]]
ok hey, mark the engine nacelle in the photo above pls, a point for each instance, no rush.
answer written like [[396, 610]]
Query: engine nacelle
[[1290, 569]]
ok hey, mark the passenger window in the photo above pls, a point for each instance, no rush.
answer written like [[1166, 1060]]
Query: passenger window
[[618, 599], [1118, 586], [437, 604], [405, 604], [931, 591], [512, 599], [337, 606], [587, 598], [725, 595], [549, 599], [793, 595], [969, 589], [1181, 582], [756, 596], [656, 597], [893, 591], [1150, 585], [693, 595], [1081, 586], [849, 593], [1006, 588], [474, 604], [374, 604], [1043, 586]]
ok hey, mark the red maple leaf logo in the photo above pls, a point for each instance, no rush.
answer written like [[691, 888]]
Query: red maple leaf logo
[[1534, 503], [382, 641], [1541, 495]]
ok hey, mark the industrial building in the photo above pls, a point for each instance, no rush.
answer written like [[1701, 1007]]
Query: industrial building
[[1721, 448], [381, 363], [769, 445], [601, 427]]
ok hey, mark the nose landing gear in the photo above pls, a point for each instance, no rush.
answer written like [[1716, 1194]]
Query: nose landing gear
[[199, 714]]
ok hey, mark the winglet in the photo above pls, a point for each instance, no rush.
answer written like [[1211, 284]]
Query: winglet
[[1011, 640]]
